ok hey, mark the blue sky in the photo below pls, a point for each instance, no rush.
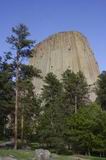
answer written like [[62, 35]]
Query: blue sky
[[46, 17]]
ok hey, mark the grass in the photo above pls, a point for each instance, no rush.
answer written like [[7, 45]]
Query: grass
[[19, 154], [75, 157], [28, 155]]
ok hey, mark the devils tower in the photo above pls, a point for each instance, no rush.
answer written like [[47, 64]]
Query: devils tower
[[65, 50]]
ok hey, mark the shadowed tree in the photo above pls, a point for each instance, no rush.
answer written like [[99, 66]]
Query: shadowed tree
[[6, 93], [101, 90]]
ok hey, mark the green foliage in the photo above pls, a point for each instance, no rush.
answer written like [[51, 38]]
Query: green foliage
[[19, 40], [101, 90], [75, 90], [58, 105], [16, 83], [6, 95], [51, 123], [23, 75], [86, 130], [52, 88]]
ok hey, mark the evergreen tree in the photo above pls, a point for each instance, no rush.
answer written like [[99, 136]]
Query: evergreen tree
[[86, 130], [6, 94], [27, 107], [101, 90], [23, 49], [75, 90], [51, 125]]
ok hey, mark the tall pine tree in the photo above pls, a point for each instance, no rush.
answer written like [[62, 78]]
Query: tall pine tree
[[22, 49]]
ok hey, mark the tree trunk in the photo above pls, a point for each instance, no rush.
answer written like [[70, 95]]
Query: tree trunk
[[89, 153], [16, 103], [22, 129], [75, 104]]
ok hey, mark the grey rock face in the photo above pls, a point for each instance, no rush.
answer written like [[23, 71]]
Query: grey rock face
[[41, 154], [62, 51]]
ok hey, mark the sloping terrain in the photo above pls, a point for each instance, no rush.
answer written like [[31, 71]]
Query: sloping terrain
[[28, 155]]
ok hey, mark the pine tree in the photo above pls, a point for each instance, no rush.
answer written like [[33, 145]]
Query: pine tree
[[75, 90], [86, 130], [101, 90], [27, 98], [52, 119], [22, 48], [6, 93]]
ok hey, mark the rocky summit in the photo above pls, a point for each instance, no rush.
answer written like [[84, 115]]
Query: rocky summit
[[65, 50]]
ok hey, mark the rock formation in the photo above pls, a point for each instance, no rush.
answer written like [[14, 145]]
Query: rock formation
[[42, 154], [65, 50]]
